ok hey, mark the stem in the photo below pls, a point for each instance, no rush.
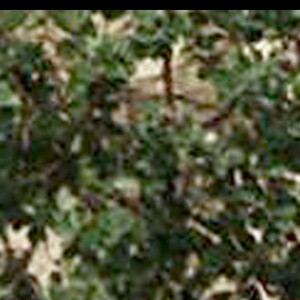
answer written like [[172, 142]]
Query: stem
[[23, 133], [167, 74]]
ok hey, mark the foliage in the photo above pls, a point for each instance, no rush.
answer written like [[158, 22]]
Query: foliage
[[162, 206]]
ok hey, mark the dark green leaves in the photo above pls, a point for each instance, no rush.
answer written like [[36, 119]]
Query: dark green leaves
[[138, 188]]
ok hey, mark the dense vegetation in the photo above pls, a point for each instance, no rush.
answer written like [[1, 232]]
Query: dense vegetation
[[164, 204]]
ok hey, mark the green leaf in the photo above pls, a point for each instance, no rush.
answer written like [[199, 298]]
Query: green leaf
[[70, 20], [6, 93], [9, 19]]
